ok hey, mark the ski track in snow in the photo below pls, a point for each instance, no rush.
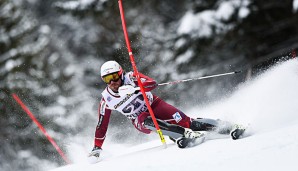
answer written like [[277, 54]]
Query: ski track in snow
[[268, 104]]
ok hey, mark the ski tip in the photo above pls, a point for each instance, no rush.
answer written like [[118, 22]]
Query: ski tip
[[188, 142], [237, 72]]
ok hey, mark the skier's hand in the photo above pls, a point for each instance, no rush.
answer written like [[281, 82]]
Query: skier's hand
[[149, 85], [127, 89], [95, 152], [139, 123]]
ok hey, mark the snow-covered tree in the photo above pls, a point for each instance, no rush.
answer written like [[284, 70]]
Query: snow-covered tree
[[35, 66], [22, 42]]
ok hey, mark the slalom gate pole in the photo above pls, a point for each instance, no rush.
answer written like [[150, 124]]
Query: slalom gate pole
[[24, 107], [199, 78], [136, 73]]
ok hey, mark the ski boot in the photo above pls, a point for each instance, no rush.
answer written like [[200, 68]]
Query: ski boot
[[190, 138], [237, 131]]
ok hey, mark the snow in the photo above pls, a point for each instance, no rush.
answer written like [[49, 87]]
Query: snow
[[267, 104], [202, 24], [295, 5], [75, 4], [79, 4], [45, 29], [225, 11], [10, 64], [243, 12], [185, 57]]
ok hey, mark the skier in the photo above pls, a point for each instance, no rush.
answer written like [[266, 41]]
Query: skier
[[122, 94]]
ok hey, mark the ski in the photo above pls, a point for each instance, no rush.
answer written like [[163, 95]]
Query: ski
[[235, 134]]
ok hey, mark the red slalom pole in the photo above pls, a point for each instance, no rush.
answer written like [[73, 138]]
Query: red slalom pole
[[24, 107], [136, 73]]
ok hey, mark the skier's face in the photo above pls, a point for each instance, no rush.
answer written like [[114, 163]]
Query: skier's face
[[114, 85]]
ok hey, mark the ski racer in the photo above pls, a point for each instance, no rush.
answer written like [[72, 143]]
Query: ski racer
[[122, 94]]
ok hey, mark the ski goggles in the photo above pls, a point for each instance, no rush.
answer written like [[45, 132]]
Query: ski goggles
[[111, 77]]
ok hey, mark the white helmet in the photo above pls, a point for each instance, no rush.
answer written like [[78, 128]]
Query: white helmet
[[110, 67]]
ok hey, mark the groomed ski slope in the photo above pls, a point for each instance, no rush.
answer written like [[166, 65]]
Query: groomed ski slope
[[269, 104]]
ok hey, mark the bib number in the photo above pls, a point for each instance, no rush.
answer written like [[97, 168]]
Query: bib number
[[134, 104]]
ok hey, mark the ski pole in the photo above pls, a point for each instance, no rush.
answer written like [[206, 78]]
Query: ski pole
[[137, 74], [199, 78]]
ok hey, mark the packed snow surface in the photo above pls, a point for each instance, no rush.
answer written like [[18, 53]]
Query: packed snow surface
[[268, 105]]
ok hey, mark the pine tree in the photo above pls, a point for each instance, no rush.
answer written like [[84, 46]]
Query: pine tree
[[29, 67]]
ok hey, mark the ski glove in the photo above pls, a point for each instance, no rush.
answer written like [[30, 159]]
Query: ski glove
[[149, 85], [139, 123], [95, 152]]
